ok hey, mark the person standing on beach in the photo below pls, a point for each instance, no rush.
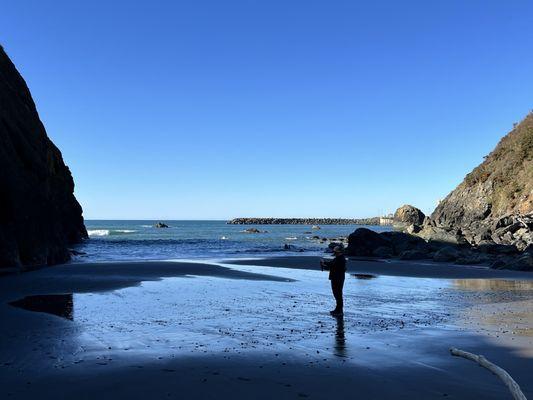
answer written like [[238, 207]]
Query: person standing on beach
[[337, 269]]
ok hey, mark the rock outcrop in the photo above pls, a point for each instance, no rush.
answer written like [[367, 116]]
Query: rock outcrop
[[400, 245], [408, 215], [495, 201], [363, 242], [39, 215]]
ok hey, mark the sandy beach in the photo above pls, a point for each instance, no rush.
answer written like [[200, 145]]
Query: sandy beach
[[260, 328]]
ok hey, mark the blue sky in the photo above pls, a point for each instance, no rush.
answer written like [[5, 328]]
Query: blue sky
[[212, 110]]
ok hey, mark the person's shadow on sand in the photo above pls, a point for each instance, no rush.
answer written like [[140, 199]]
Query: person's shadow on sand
[[340, 338]]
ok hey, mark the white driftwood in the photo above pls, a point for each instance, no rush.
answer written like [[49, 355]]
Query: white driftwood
[[499, 372]]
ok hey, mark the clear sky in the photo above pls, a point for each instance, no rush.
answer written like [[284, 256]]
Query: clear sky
[[218, 109]]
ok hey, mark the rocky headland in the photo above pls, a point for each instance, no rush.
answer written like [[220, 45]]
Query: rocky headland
[[39, 215], [304, 221], [487, 219]]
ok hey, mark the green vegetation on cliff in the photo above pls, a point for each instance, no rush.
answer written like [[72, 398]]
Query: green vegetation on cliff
[[510, 168], [501, 185]]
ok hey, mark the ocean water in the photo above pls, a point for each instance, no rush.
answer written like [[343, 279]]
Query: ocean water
[[140, 240]]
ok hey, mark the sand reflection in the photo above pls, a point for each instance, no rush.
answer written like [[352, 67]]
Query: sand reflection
[[492, 284], [501, 310]]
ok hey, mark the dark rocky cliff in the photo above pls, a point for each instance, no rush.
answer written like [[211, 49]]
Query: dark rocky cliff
[[495, 200], [39, 215], [501, 185]]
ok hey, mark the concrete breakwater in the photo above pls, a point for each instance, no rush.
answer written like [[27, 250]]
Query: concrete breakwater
[[304, 221]]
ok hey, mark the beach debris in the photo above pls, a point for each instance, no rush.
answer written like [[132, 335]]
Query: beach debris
[[498, 371]]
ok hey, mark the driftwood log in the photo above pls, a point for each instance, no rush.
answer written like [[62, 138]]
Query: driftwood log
[[499, 372]]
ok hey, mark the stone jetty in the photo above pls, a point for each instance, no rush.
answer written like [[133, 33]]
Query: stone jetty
[[304, 221]]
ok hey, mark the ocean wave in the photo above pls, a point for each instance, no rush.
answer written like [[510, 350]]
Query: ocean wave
[[291, 238], [107, 232], [98, 232]]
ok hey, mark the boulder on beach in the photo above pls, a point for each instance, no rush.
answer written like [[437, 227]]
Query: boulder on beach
[[363, 242], [408, 215], [39, 216]]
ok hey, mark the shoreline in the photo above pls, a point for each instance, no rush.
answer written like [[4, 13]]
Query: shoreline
[[389, 267]]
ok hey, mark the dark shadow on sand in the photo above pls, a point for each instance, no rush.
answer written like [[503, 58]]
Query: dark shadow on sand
[[99, 277]]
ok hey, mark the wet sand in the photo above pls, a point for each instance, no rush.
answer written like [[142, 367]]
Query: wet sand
[[193, 330]]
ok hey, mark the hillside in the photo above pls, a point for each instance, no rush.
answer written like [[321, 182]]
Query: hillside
[[501, 185]]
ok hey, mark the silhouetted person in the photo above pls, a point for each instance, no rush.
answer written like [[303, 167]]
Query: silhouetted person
[[336, 268]]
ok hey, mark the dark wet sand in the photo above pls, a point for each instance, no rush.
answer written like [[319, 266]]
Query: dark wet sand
[[44, 356], [394, 268]]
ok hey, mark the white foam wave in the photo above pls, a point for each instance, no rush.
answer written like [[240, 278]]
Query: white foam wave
[[107, 232], [98, 232], [291, 238]]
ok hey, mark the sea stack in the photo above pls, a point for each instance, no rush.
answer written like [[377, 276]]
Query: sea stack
[[39, 215]]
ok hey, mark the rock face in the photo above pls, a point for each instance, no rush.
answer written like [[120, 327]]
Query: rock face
[[39, 215], [408, 215], [495, 200]]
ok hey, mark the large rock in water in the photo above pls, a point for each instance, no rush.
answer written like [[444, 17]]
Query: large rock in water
[[495, 200], [39, 215]]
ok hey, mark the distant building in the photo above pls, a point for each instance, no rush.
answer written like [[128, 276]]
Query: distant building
[[386, 219]]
